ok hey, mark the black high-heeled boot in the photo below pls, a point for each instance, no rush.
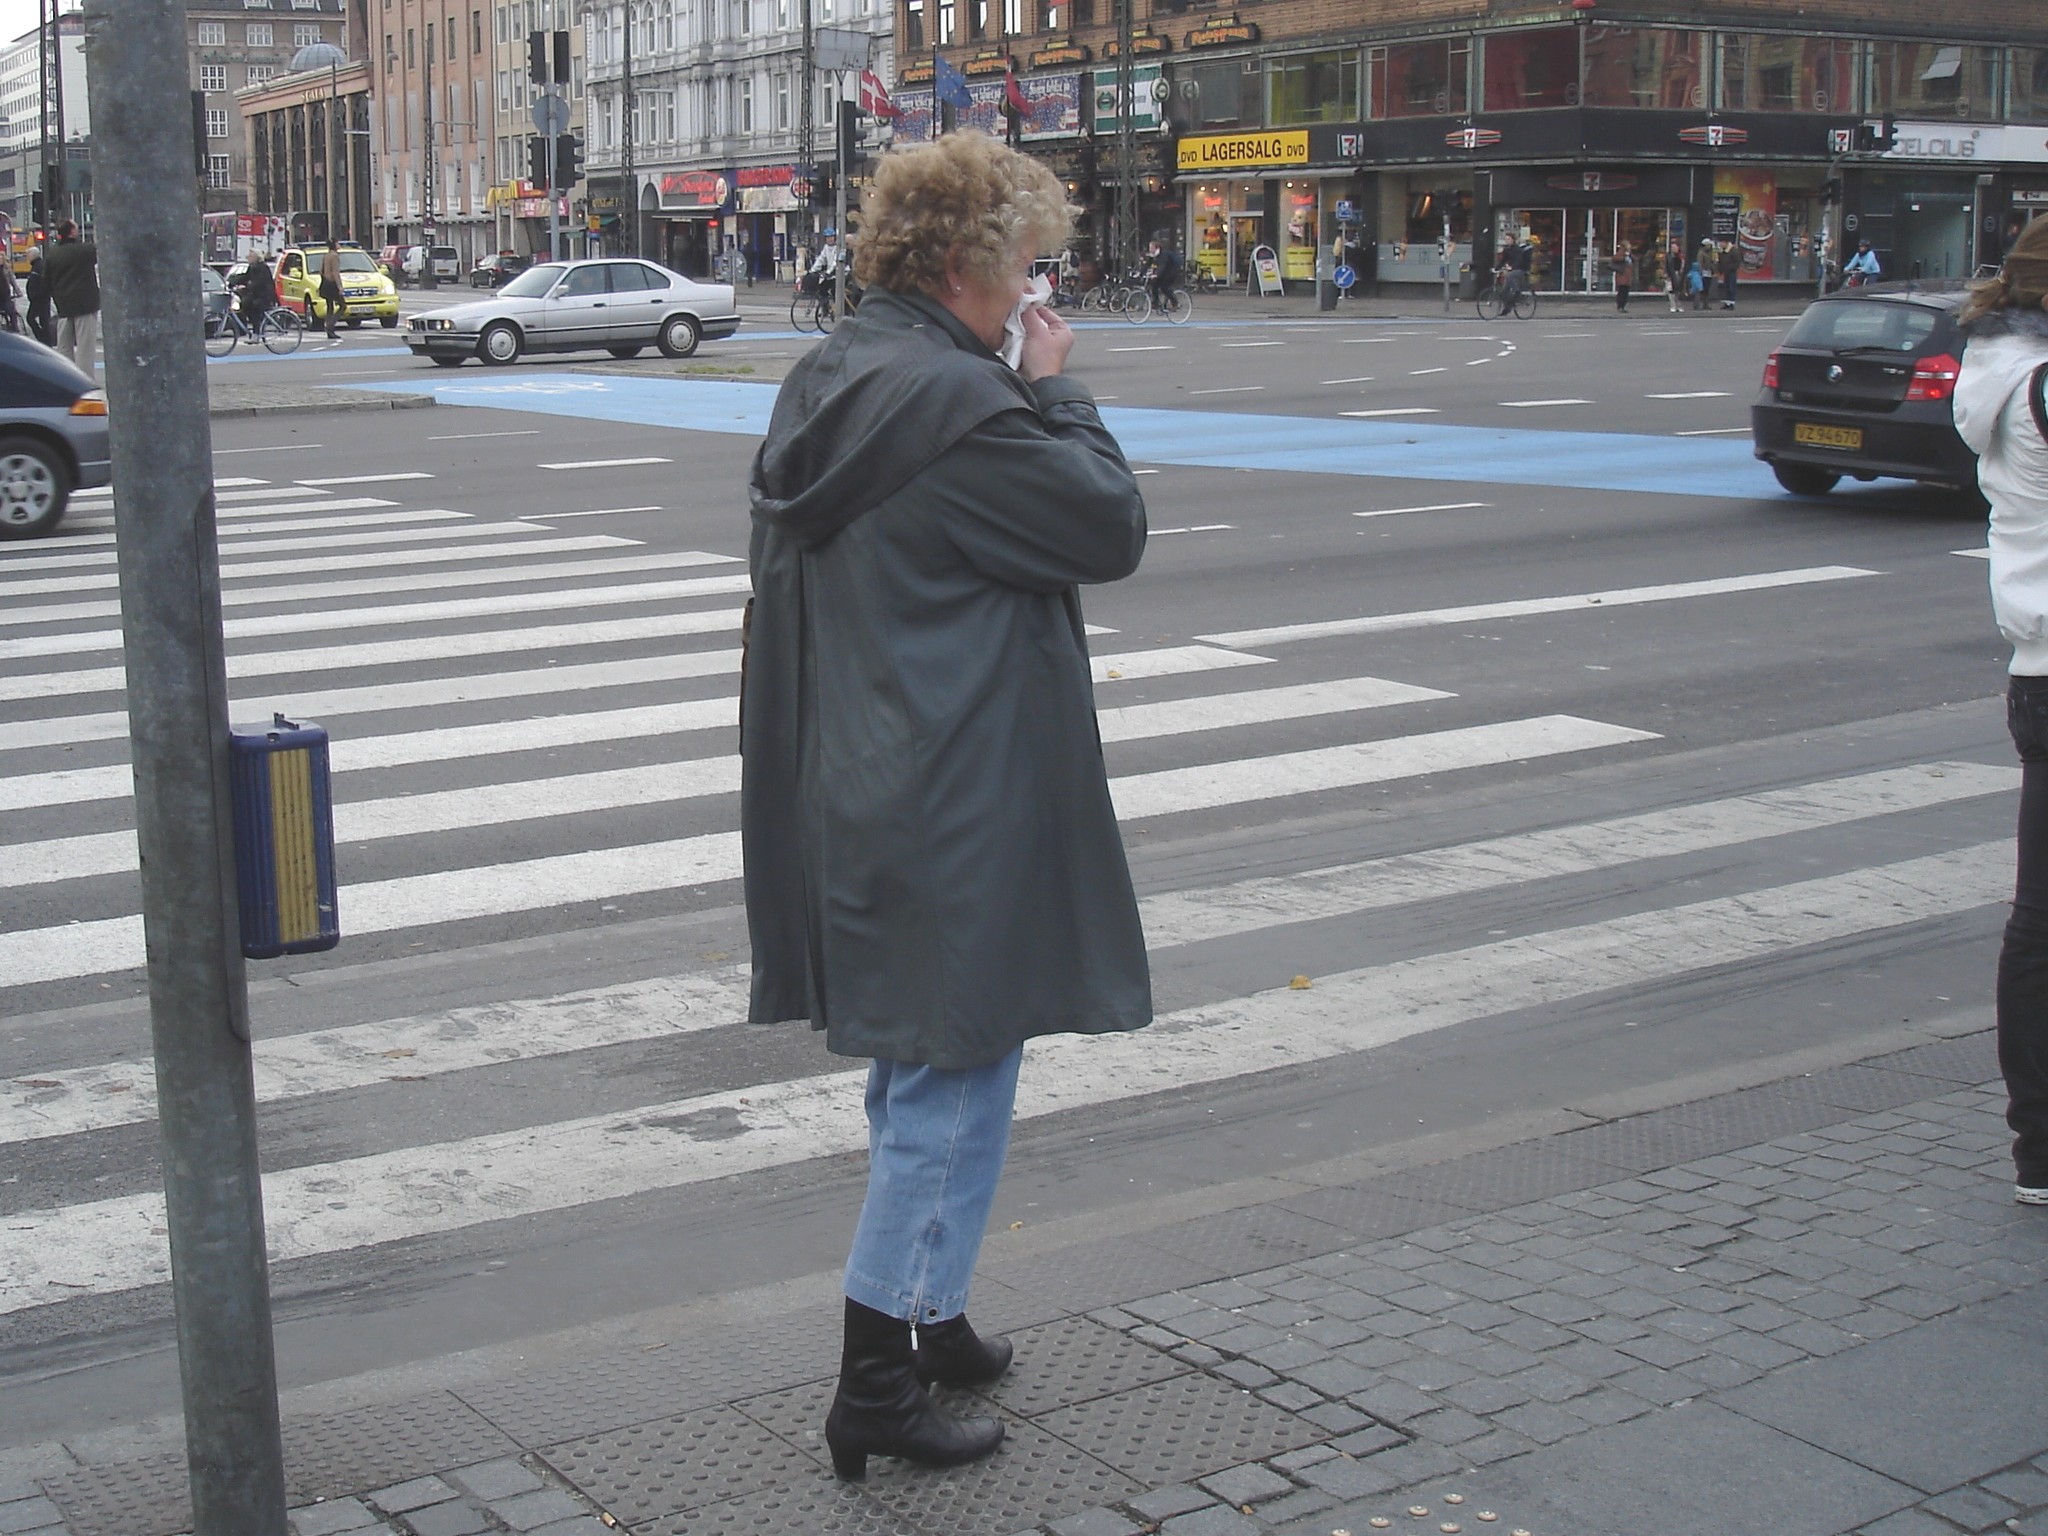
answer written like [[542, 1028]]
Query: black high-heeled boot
[[881, 1409], [952, 1354]]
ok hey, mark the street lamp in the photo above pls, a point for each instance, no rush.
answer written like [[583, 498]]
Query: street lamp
[[330, 58]]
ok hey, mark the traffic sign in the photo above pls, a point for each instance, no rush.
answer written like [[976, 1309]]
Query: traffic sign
[[551, 114], [1345, 275]]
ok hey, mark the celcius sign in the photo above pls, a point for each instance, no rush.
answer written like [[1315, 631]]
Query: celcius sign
[[1222, 151]]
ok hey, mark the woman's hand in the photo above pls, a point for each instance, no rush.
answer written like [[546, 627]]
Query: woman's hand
[[1047, 341]]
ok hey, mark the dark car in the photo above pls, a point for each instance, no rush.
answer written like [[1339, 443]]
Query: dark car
[[496, 270], [213, 287], [53, 436], [1864, 386]]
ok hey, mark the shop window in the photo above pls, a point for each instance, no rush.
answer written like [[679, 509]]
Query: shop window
[[1766, 73], [1312, 88], [1423, 217], [1936, 79], [1430, 79], [1536, 68], [1208, 95], [2030, 85], [1649, 67]]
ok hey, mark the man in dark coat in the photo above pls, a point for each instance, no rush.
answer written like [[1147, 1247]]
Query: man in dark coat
[[73, 273], [36, 289], [933, 872]]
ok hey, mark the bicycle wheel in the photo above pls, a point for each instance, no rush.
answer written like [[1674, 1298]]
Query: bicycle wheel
[[828, 314], [1138, 307], [1525, 304], [220, 335], [1182, 309], [282, 331], [1096, 297], [1488, 304], [797, 306]]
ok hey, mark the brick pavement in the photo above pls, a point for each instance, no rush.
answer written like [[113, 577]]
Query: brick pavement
[[1807, 1307]]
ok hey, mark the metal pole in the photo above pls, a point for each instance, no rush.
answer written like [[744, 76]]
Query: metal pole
[[1127, 238], [63, 186], [554, 203], [433, 166], [178, 728], [807, 135], [631, 212], [841, 133], [333, 112], [44, 33]]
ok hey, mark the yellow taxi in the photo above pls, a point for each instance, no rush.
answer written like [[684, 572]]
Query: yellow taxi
[[369, 292]]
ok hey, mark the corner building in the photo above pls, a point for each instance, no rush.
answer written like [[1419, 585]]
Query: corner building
[[1579, 126]]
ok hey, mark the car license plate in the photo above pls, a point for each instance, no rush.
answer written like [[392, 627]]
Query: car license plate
[[1828, 437]]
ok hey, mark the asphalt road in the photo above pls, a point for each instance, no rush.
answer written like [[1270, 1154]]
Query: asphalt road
[[1670, 779]]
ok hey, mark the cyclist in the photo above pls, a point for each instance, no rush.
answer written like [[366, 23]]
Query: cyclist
[[1511, 271], [256, 291], [1862, 267], [1162, 274]]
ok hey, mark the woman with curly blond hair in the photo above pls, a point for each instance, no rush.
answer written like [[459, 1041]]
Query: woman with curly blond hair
[[933, 869], [2001, 409]]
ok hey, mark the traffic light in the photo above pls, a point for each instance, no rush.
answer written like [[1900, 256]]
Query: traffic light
[[824, 187], [37, 206], [568, 157], [537, 57], [561, 58], [849, 134], [537, 160], [1831, 192], [1874, 136]]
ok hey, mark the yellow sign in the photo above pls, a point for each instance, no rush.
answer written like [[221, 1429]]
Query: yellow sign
[[1223, 151]]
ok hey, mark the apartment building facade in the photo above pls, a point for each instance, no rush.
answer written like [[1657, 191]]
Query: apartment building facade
[[1430, 130], [233, 46], [719, 182], [433, 123], [29, 120], [519, 204]]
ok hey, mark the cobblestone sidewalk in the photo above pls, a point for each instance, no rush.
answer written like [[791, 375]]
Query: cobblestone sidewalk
[[1809, 1307]]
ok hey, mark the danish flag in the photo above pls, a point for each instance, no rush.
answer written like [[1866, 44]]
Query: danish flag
[[874, 97]]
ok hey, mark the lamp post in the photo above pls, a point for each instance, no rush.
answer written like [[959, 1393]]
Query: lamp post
[[326, 56]]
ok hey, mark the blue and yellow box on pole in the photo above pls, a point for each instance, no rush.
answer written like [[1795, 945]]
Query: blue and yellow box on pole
[[284, 839]]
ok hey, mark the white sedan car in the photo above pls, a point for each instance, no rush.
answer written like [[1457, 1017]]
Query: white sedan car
[[615, 305]]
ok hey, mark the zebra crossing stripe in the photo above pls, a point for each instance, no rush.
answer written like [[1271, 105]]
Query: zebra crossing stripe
[[69, 1101], [1577, 602], [104, 1246], [100, 557], [420, 901]]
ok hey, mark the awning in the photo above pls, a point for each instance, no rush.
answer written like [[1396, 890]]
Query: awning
[[1948, 63]]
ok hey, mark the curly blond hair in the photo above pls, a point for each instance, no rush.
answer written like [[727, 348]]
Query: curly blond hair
[[964, 192], [2022, 281]]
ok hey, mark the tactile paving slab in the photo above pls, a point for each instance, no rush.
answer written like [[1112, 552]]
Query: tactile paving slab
[[376, 1447], [797, 1414], [709, 1364], [1182, 1428], [1032, 1479], [1101, 1274], [1503, 1177], [820, 1505], [670, 1465], [1071, 1361], [133, 1498], [1251, 1238]]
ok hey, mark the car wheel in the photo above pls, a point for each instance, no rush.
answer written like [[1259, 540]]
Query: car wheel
[[679, 336], [389, 322], [35, 483], [623, 352], [355, 324], [500, 344], [1804, 479], [447, 362]]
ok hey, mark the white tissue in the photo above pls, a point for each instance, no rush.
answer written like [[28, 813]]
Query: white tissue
[[1040, 292]]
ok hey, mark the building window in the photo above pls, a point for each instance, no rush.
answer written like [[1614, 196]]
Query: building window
[[1534, 68], [2030, 85], [213, 34], [1312, 88], [1934, 80], [1013, 18], [259, 74], [448, 31], [742, 17], [668, 116], [258, 34], [408, 47], [782, 14], [218, 173], [476, 33], [1430, 79], [305, 33], [1649, 67], [913, 25], [782, 103], [745, 111], [1209, 94], [216, 123], [213, 77], [1761, 73]]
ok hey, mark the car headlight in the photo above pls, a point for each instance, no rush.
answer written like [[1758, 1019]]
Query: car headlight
[[92, 403], [436, 323]]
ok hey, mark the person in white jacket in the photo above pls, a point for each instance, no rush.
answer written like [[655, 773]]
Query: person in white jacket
[[2002, 414]]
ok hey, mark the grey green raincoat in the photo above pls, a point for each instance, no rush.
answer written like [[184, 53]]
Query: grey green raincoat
[[933, 869]]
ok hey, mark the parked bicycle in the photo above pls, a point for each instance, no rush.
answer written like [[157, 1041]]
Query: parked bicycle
[[280, 331], [1113, 295], [1509, 295]]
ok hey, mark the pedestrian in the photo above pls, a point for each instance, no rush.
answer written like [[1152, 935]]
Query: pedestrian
[[2002, 414], [72, 271], [1624, 276], [1697, 281], [332, 300], [933, 868], [36, 289], [10, 304], [1674, 273], [1729, 267]]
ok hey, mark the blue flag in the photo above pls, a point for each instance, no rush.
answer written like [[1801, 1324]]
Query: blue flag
[[949, 85]]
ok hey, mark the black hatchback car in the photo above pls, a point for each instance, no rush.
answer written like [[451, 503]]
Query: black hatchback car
[[1864, 386]]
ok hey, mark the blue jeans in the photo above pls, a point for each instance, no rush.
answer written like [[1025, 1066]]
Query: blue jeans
[[936, 1144]]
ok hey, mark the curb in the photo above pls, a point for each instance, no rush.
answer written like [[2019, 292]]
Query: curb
[[343, 400]]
